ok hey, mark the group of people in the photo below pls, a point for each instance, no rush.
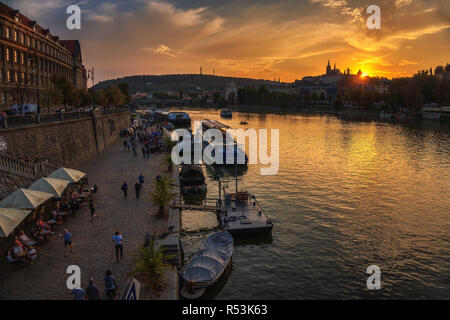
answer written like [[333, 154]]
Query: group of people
[[92, 292], [23, 249], [25, 246], [137, 186]]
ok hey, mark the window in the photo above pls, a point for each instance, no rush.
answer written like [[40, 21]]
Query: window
[[7, 54], [15, 35], [8, 33], [23, 77], [22, 38], [16, 76], [27, 40], [1, 75], [8, 75], [15, 56], [22, 58]]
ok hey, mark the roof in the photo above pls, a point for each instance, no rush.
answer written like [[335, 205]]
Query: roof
[[50, 185], [68, 174], [10, 218], [25, 199], [27, 22]]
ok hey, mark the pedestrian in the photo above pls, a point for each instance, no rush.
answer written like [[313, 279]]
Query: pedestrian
[[78, 294], [110, 284], [125, 144], [92, 208], [92, 291], [141, 180], [143, 152], [118, 240], [128, 145], [137, 187], [68, 242], [125, 188]]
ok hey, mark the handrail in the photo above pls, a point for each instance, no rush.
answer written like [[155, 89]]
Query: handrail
[[32, 119], [38, 169]]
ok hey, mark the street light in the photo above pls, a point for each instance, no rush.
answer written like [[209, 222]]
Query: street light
[[34, 71]]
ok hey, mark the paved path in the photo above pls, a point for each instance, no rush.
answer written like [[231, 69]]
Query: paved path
[[94, 250]]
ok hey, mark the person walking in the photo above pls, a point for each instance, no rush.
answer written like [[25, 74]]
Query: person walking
[[67, 242], [125, 188], [137, 187], [92, 291], [141, 180], [118, 240], [92, 208], [110, 284], [125, 144], [128, 145], [143, 152]]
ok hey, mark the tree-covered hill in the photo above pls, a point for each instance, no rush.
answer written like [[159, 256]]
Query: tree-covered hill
[[176, 82]]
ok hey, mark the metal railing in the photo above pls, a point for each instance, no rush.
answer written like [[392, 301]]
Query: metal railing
[[32, 119]]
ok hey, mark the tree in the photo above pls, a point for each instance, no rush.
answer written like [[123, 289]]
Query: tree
[[438, 70], [51, 97], [67, 89], [162, 194], [314, 97], [149, 263], [322, 96], [125, 90], [114, 96]]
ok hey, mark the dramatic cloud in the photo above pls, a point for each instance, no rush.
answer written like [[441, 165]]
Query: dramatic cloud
[[262, 39]]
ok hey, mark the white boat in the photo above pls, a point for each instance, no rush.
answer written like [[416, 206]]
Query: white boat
[[207, 265], [179, 119], [232, 152]]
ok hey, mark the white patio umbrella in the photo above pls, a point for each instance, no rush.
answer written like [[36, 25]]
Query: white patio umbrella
[[68, 174], [25, 199], [50, 185], [10, 218]]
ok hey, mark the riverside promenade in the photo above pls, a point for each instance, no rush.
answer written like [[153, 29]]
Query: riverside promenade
[[94, 250]]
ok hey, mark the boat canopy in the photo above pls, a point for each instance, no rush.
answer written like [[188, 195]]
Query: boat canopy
[[25, 199], [208, 264], [71, 175], [192, 175], [50, 185], [10, 218]]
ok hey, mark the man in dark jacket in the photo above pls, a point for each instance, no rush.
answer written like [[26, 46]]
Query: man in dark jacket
[[137, 187]]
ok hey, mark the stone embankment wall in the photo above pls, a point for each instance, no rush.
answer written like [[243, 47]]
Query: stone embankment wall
[[63, 144]]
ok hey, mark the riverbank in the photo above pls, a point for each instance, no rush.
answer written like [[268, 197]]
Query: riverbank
[[94, 251]]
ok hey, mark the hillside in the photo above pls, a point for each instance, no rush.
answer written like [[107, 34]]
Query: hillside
[[176, 82]]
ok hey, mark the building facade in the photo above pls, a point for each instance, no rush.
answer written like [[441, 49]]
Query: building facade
[[30, 56]]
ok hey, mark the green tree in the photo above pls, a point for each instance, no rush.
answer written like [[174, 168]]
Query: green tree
[[149, 264], [162, 194], [125, 90], [114, 96]]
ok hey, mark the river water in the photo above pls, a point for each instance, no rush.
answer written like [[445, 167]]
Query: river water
[[347, 195]]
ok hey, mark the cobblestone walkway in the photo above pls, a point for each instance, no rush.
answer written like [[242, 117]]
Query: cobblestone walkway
[[94, 250]]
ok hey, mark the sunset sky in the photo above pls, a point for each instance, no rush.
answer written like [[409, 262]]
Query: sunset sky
[[286, 39]]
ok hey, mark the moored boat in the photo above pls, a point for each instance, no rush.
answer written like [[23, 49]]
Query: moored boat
[[192, 179], [179, 119], [207, 265]]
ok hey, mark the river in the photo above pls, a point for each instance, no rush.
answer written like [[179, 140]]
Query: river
[[347, 195]]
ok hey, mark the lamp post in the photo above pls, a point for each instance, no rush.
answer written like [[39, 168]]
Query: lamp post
[[34, 72]]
